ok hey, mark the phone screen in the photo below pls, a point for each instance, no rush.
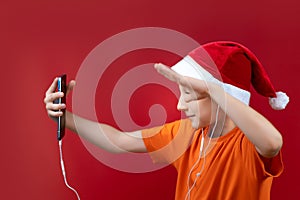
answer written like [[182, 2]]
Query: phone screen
[[61, 87]]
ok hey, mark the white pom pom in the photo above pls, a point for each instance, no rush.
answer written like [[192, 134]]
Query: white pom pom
[[280, 101]]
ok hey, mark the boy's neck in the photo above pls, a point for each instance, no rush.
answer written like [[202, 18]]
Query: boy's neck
[[222, 129]]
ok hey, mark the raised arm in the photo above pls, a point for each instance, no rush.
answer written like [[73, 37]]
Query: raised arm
[[265, 137], [258, 129], [102, 135]]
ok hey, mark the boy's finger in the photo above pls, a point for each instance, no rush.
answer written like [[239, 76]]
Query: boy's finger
[[53, 96], [70, 86], [55, 113], [52, 87], [167, 72]]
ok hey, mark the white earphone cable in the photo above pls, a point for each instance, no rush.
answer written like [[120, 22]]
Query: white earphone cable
[[188, 195], [63, 169], [190, 172]]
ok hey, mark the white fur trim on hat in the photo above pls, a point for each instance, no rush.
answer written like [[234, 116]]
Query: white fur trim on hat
[[280, 101], [189, 67]]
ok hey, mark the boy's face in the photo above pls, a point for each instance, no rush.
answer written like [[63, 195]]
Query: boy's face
[[199, 112]]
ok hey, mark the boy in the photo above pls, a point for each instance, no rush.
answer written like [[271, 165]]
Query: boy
[[224, 149]]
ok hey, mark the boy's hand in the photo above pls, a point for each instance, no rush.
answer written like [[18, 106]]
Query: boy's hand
[[51, 95], [199, 87]]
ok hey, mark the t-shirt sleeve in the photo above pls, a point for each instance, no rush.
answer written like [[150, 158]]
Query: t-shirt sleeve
[[273, 166], [270, 167], [166, 143]]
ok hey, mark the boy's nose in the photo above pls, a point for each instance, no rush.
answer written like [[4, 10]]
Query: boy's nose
[[181, 105]]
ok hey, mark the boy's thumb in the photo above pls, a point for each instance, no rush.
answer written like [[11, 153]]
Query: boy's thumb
[[70, 86]]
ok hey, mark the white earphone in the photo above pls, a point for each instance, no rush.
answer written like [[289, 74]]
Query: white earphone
[[63, 170], [188, 194]]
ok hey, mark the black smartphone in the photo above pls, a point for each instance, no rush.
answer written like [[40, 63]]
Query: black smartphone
[[61, 87]]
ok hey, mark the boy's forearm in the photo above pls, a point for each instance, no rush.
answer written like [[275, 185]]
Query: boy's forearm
[[257, 128], [104, 136]]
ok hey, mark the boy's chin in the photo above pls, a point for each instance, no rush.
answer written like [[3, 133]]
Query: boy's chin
[[195, 124]]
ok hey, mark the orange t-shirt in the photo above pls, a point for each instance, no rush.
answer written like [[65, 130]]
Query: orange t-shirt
[[231, 168]]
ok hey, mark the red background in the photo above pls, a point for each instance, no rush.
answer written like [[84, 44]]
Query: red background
[[42, 39]]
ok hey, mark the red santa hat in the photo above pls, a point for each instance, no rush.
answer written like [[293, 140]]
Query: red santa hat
[[234, 67]]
